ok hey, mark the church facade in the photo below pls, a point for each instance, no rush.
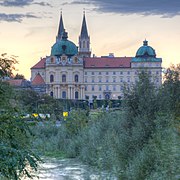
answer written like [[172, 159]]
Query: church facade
[[70, 72]]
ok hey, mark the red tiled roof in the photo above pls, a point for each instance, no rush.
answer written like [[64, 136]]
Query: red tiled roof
[[40, 64], [38, 80], [107, 62], [15, 82]]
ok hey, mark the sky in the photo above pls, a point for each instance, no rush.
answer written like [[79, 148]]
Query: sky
[[28, 28]]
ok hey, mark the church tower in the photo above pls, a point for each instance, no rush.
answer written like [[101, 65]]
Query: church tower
[[84, 40], [60, 29]]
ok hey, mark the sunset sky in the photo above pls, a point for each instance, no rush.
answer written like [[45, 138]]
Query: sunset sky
[[28, 28]]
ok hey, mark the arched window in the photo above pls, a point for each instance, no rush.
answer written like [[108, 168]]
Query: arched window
[[63, 78], [76, 95], [51, 78], [76, 78], [64, 94], [51, 94]]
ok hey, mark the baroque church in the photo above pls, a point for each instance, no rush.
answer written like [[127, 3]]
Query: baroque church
[[70, 72]]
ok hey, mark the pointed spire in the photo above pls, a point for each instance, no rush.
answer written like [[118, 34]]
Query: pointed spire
[[61, 27], [84, 32]]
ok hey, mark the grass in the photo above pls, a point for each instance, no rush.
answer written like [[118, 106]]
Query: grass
[[55, 154]]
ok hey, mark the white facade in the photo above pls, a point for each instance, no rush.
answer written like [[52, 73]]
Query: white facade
[[78, 76]]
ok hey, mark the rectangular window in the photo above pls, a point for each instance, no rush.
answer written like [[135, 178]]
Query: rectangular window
[[107, 73], [114, 79], [107, 87], [92, 80], [99, 73], [85, 73], [100, 79], [92, 73], [100, 88], [114, 88], [128, 72], [92, 88], [85, 88], [107, 80], [121, 72], [85, 79], [114, 73]]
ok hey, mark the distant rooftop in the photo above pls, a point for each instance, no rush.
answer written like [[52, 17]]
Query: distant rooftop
[[40, 64]]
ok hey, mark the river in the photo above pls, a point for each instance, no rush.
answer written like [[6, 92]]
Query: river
[[68, 169]]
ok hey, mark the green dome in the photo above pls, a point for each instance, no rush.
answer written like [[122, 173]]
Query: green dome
[[145, 51], [64, 46]]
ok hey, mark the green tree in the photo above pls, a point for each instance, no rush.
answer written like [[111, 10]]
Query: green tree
[[76, 121], [15, 154], [169, 97]]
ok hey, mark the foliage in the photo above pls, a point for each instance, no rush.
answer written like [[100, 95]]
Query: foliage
[[139, 142], [76, 121], [15, 153], [7, 65], [169, 96], [16, 158], [31, 102], [27, 100], [19, 76]]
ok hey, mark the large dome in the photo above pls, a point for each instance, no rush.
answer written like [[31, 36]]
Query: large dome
[[64, 46], [145, 51]]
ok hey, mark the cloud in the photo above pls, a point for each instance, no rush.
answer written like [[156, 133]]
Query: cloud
[[17, 3], [43, 4], [76, 2], [165, 8], [22, 3], [15, 17]]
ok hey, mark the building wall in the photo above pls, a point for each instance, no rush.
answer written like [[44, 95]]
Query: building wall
[[64, 81], [99, 81], [41, 71]]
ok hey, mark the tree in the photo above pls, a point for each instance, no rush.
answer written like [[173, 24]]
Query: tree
[[15, 153], [19, 76], [7, 65], [76, 121], [140, 99], [141, 107], [169, 96]]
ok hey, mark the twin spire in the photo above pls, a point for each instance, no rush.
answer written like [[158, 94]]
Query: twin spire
[[84, 39], [84, 32], [61, 30]]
